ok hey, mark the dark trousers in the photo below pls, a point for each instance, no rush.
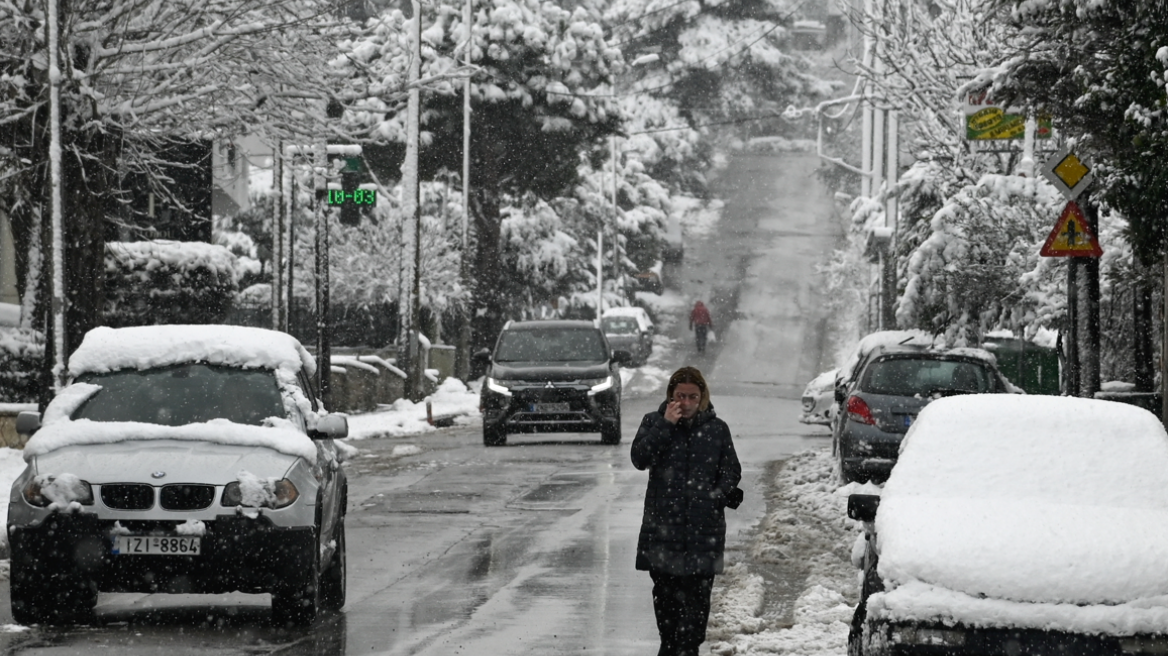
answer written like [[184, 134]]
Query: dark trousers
[[701, 331], [682, 605]]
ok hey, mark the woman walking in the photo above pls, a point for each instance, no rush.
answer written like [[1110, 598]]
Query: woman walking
[[693, 477]]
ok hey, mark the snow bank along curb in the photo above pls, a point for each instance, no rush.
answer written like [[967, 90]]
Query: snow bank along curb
[[806, 531]]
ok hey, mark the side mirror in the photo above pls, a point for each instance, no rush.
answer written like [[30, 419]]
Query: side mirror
[[482, 355], [840, 397], [28, 423], [331, 427], [863, 506], [621, 356]]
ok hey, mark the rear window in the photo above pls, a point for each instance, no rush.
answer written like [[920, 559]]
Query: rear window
[[912, 376], [551, 345], [183, 394], [619, 325]]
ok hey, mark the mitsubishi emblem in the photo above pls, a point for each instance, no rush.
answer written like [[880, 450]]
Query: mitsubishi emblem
[[158, 474], [549, 385]]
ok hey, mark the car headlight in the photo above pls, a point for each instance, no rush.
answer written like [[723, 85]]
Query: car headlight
[[599, 385], [497, 386], [274, 494], [46, 489], [928, 636]]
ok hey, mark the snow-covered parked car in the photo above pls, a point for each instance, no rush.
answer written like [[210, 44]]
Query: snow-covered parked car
[[819, 406], [1018, 525], [181, 459]]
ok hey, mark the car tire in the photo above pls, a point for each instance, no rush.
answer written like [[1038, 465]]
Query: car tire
[[296, 603], [611, 433], [332, 580], [494, 436]]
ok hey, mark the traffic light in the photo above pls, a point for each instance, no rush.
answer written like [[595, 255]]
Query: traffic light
[[350, 211]]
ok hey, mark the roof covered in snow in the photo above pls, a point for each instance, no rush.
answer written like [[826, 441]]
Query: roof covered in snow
[[1070, 491], [146, 347]]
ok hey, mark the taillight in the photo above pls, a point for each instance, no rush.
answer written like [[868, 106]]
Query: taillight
[[859, 411]]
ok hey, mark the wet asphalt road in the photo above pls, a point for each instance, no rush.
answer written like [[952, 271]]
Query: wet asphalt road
[[529, 548]]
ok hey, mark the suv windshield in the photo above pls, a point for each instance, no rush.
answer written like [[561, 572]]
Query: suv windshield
[[551, 345], [619, 325], [912, 376], [183, 394]]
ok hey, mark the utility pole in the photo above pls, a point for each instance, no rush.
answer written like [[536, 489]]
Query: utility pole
[[462, 352], [323, 341], [599, 272], [412, 214], [59, 301], [277, 230]]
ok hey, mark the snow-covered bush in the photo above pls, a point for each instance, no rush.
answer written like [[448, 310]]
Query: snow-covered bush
[[167, 282], [21, 352]]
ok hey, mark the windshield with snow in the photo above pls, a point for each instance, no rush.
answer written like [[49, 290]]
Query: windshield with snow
[[185, 394], [912, 376], [551, 345]]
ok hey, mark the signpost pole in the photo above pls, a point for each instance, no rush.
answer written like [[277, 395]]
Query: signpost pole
[[1089, 343], [1071, 343]]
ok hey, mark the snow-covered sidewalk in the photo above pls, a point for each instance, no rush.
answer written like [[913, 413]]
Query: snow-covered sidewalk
[[403, 417], [806, 535]]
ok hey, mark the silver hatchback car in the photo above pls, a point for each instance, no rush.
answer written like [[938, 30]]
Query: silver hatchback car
[[181, 459]]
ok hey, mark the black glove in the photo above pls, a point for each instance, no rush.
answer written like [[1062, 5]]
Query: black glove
[[734, 498]]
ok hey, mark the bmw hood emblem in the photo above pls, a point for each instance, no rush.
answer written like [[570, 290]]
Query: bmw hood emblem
[[158, 474]]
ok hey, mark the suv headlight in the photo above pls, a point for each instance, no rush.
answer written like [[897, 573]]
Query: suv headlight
[[599, 385], [497, 386], [274, 494], [46, 489]]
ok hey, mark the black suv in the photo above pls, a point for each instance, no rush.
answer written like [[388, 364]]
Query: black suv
[[552, 376]]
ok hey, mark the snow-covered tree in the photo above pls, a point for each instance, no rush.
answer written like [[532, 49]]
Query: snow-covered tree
[[723, 62], [539, 100], [137, 77]]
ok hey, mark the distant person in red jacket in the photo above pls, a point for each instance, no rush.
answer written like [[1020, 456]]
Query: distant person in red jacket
[[701, 323]]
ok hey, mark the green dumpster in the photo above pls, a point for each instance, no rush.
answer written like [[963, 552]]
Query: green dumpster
[[1032, 367]]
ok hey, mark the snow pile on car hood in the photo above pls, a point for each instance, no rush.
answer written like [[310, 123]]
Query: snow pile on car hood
[[1026, 499], [280, 436], [145, 347]]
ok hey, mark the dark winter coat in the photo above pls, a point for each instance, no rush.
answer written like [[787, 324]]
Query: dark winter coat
[[693, 476]]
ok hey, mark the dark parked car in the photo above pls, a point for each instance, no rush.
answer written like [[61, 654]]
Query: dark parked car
[[625, 333], [552, 376], [893, 384]]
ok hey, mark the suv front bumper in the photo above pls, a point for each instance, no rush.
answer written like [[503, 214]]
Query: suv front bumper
[[560, 408]]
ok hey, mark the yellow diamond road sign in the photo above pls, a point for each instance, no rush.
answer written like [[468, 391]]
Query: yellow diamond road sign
[[1070, 174]]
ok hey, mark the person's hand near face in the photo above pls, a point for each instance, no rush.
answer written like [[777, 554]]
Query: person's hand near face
[[684, 403]]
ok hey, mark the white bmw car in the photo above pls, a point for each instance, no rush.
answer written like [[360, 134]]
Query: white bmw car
[[181, 459]]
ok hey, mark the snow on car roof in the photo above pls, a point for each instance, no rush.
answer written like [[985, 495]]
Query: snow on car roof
[[1069, 491], [146, 347], [872, 341]]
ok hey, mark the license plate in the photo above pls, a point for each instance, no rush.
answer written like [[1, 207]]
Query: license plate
[[549, 407], [156, 545], [908, 419]]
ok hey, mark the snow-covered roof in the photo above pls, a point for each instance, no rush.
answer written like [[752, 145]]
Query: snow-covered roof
[[639, 313], [1069, 491], [145, 347], [976, 353]]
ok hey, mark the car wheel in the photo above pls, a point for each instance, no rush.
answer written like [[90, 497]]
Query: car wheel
[[332, 581], [494, 436], [297, 602], [611, 433]]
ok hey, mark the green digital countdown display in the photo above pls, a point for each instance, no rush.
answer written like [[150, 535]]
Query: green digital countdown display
[[354, 197]]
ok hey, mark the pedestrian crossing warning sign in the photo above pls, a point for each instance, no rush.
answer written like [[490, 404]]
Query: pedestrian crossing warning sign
[[1071, 236]]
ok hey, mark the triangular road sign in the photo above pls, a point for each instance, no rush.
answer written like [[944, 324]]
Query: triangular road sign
[[1071, 236]]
